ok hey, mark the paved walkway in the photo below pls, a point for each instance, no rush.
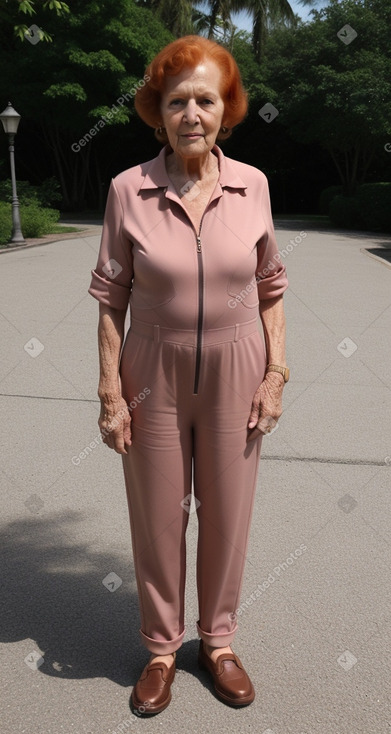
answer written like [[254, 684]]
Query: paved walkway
[[315, 619]]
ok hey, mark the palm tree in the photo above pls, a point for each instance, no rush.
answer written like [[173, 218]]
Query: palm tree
[[175, 14], [266, 14]]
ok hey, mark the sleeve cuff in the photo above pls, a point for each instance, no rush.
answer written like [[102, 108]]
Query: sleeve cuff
[[273, 285], [109, 293]]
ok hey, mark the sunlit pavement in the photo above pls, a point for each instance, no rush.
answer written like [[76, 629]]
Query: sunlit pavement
[[314, 619]]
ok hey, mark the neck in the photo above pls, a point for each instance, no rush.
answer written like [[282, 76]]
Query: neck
[[195, 169]]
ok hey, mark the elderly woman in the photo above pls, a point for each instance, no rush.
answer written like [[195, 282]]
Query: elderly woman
[[188, 240]]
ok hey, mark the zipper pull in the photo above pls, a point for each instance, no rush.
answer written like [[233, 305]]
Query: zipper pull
[[198, 244]]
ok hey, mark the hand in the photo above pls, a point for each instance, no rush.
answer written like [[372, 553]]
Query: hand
[[114, 423], [266, 407]]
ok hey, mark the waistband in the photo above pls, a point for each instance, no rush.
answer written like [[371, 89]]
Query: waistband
[[158, 333]]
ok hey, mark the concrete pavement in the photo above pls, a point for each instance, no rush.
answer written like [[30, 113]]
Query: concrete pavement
[[315, 616]]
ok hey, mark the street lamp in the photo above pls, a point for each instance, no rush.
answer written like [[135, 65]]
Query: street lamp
[[10, 119]]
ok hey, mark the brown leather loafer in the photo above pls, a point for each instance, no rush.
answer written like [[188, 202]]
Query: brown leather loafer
[[152, 692], [231, 682]]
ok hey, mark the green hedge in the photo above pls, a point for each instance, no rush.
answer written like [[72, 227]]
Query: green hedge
[[368, 209], [326, 197], [36, 221], [374, 202], [46, 195]]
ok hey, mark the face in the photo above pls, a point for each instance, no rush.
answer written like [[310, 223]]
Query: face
[[192, 109]]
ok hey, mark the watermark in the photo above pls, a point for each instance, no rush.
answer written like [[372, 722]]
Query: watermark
[[387, 460], [190, 503], [190, 190], [239, 298], [122, 726], [267, 425], [347, 34], [347, 660], [268, 112], [34, 660], [387, 147], [76, 147], [347, 347], [137, 399], [98, 440], [143, 709], [34, 503], [347, 503], [34, 347], [112, 581], [112, 268], [34, 34], [272, 577]]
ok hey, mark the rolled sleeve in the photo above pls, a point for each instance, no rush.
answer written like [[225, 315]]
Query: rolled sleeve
[[111, 281], [271, 273]]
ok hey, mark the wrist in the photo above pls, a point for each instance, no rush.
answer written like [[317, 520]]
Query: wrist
[[109, 394], [275, 378], [278, 369]]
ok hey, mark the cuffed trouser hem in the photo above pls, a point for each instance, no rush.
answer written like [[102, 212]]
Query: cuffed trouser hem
[[221, 640], [162, 647]]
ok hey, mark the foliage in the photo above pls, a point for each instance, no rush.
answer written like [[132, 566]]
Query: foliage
[[344, 212], [5, 222], [326, 197], [63, 89], [374, 203], [44, 195], [36, 221], [369, 209], [333, 93], [28, 7]]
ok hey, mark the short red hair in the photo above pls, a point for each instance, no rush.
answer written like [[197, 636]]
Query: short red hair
[[190, 51]]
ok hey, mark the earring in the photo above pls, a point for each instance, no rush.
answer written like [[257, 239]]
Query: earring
[[224, 130], [161, 130]]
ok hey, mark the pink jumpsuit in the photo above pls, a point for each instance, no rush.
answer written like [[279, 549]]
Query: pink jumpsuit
[[191, 362]]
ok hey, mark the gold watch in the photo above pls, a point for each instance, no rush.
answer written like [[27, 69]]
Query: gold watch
[[284, 371]]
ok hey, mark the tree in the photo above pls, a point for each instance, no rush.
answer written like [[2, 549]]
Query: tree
[[73, 91], [336, 89], [176, 15], [28, 7], [266, 14]]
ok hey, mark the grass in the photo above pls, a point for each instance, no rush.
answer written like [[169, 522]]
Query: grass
[[60, 229]]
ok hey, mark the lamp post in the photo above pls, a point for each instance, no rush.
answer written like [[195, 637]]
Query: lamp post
[[10, 119]]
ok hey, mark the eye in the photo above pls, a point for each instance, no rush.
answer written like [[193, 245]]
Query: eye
[[176, 101], [207, 101]]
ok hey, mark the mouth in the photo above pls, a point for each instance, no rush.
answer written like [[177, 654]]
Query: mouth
[[192, 135]]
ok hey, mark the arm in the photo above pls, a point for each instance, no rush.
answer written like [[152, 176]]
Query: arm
[[114, 420], [273, 322], [267, 402]]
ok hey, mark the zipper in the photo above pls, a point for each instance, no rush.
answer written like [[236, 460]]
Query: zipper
[[200, 311]]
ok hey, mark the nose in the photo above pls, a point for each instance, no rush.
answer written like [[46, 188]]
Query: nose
[[190, 113]]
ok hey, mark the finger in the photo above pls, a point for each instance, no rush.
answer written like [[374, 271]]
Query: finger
[[254, 415], [256, 433], [127, 433]]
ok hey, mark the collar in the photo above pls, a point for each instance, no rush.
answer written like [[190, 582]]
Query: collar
[[156, 175]]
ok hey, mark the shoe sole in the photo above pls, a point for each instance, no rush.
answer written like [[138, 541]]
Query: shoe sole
[[222, 696]]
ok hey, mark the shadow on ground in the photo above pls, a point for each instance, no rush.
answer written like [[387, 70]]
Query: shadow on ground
[[382, 251], [53, 595]]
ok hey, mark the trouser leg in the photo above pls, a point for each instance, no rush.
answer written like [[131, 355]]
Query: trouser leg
[[157, 470], [225, 475]]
